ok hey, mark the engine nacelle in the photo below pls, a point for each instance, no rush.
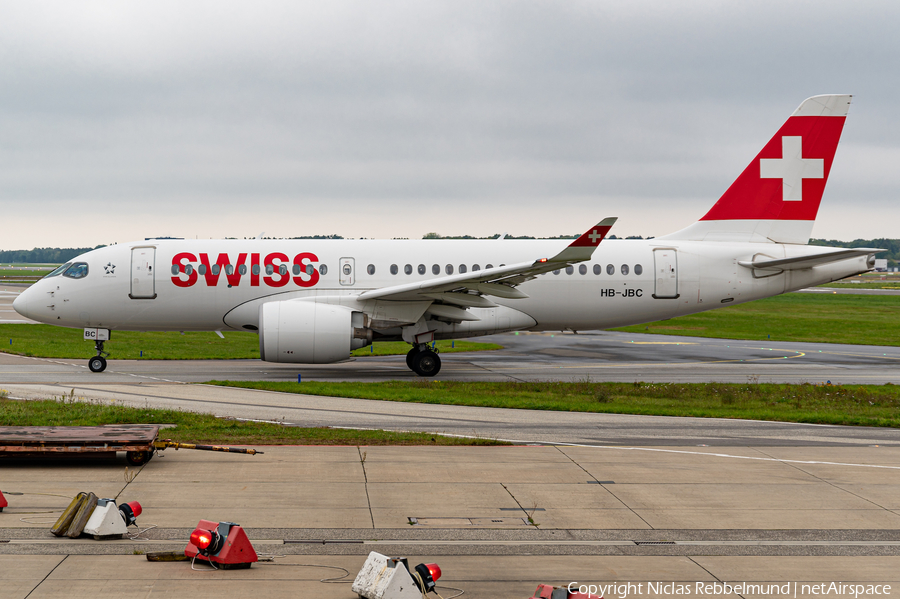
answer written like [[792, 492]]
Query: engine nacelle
[[304, 332]]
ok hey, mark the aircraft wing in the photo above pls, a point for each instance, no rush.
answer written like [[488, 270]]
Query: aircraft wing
[[499, 281], [801, 262]]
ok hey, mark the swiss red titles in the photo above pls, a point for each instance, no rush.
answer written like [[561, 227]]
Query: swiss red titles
[[276, 269]]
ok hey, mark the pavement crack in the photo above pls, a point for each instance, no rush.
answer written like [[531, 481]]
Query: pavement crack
[[130, 479], [559, 448], [521, 507], [829, 483], [362, 461], [47, 576], [702, 567]]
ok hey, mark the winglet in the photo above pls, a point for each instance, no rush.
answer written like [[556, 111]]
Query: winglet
[[583, 248]]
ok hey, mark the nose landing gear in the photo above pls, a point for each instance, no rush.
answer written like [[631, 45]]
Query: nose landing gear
[[424, 361], [98, 362]]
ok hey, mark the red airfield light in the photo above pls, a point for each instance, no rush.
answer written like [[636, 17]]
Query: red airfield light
[[202, 539], [435, 571], [425, 577], [222, 543], [130, 511]]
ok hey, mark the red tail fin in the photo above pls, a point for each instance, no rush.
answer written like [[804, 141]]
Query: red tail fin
[[777, 197]]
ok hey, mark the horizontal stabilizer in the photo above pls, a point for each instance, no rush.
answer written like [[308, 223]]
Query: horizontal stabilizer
[[801, 262]]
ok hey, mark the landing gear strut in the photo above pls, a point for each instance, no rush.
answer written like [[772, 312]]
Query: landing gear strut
[[423, 360], [98, 362]]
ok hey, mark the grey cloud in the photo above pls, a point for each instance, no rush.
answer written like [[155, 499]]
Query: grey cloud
[[428, 111]]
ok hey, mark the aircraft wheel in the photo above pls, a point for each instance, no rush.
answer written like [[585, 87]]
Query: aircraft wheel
[[409, 357], [97, 364], [426, 363]]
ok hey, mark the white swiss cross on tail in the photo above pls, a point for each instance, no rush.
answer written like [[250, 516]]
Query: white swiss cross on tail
[[791, 168]]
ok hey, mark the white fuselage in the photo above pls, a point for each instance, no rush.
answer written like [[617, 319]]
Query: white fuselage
[[663, 279]]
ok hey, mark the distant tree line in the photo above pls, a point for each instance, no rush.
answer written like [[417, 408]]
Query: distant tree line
[[43, 255], [891, 246], [494, 236], [497, 236]]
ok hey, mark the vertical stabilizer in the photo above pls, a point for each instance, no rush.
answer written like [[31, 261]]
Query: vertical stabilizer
[[777, 197]]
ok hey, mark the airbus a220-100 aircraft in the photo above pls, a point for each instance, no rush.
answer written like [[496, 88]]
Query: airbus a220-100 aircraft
[[313, 302]]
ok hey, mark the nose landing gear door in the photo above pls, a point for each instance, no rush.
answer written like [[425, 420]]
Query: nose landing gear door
[[143, 263], [348, 277]]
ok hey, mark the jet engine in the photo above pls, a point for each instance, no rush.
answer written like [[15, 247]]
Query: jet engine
[[304, 332]]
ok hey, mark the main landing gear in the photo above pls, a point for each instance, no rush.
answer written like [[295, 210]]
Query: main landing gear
[[98, 362], [424, 361]]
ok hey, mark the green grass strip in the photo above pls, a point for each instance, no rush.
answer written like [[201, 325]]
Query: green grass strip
[[863, 405], [829, 318], [47, 341], [205, 428]]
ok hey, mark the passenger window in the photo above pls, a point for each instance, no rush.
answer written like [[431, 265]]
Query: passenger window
[[295, 269], [175, 270], [624, 269], [449, 269], [408, 269], [202, 269], [229, 269], [78, 270], [597, 269], [638, 269], [475, 268], [62, 269], [370, 269], [188, 270], [569, 270], [421, 269], [489, 266], [282, 270], [216, 268], [556, 272], [462, 269], [346, 268], [610, 269], [323, 270], [435, 269], [270, 270], [242, 269], [582, 269], [394, 269], [310, 269]]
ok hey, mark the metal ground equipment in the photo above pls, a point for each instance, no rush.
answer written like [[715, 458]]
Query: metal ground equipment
[[138, 441]]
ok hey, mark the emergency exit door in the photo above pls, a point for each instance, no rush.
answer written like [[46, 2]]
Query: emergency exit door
[[143, 263], [348, 277], [665, 268]]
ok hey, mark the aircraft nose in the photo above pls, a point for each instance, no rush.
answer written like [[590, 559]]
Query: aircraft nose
[[20, 304]]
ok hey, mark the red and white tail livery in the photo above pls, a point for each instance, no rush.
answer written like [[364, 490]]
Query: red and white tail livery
[[314, 301], [777, 196]]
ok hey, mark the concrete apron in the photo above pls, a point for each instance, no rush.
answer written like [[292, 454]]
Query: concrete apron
[[498, 520]]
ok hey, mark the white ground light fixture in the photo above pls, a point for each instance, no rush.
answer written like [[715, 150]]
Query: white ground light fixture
[[383, 577]]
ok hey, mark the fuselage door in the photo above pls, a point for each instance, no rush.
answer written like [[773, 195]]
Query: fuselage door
[[143, 263], [348, 277], [665, 268]]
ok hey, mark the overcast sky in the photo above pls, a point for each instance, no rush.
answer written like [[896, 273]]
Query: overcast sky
[[126, 120]]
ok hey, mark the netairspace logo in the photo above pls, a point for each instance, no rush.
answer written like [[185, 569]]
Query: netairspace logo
[[623, 590]]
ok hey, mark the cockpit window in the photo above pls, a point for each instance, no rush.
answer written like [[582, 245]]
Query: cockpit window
[[78, 270], [59, 270]]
